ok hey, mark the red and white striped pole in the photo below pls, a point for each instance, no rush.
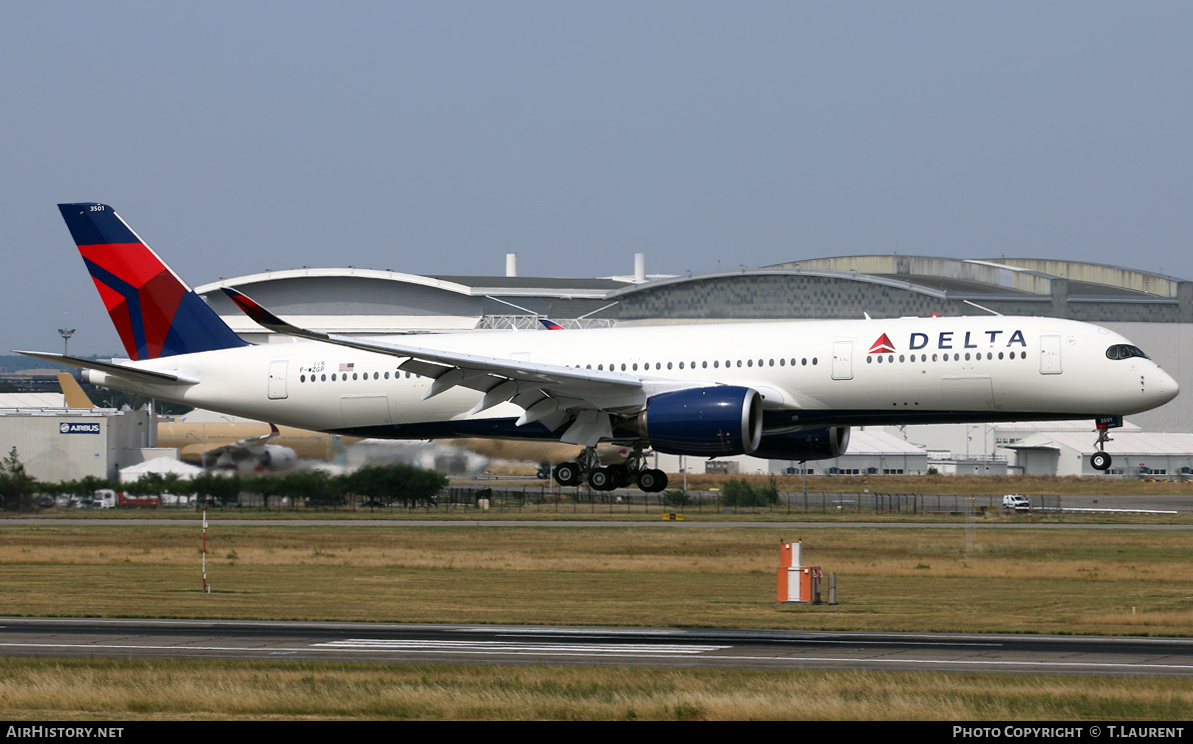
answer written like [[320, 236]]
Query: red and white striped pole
[[205, 587]]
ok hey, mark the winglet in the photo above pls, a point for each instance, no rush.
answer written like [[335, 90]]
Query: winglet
[[550, 325], [266, 319]]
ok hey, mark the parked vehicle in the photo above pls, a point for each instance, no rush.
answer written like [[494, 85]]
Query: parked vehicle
[[106, 498], [1016, 502]]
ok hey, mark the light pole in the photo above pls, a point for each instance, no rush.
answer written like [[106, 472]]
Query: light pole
[[65, 333]]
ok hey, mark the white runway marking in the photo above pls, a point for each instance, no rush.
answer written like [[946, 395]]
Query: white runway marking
[[784, 658], [514, 647]]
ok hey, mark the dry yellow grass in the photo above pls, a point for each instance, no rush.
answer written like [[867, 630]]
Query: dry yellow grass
[[195, 690], [1119, 555], [1061, 581], [1069, 581]]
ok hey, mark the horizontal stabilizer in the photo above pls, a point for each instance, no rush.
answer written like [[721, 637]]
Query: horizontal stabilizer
[[151, 377]]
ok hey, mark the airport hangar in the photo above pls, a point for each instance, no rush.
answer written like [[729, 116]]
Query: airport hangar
[[56, 443], [1155, 311]]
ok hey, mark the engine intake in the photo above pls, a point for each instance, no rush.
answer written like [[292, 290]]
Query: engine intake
[[720, 420]]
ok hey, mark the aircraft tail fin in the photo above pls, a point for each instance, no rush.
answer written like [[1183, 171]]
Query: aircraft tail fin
[[154, 311], [73, 392]]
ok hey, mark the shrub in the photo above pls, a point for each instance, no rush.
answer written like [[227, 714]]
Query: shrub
[[741, 493]]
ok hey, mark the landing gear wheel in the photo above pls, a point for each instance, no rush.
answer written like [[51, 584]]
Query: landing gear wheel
[[652, 481], [567, 474], [1099, 460], [602, 479], [661, 481], [621, 476]]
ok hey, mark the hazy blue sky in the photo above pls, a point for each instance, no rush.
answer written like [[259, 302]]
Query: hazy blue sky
[[435, 137]]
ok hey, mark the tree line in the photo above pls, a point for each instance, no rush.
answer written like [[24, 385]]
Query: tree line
[[374, 485]]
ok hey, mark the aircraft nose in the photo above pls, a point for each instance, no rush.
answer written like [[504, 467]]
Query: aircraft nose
[[1160, 387]]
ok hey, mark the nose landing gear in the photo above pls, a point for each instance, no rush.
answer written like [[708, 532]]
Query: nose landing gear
[[1101, 460]]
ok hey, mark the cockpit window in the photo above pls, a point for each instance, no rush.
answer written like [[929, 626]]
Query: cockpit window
[[1124, 351]]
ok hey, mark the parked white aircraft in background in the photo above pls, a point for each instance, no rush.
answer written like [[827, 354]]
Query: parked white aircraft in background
[[773, 390], [241, 445]]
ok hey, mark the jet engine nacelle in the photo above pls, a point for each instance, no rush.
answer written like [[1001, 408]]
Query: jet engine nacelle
[[808, 444], [276, 457], [720, 420]]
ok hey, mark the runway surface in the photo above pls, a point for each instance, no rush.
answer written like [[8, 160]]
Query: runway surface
[[664, 647]]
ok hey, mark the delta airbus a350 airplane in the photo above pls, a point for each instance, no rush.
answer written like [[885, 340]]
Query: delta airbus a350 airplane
[[787, 391]]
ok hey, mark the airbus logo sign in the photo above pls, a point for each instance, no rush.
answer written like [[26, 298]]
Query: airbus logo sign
[[952, 340], [67, 427]]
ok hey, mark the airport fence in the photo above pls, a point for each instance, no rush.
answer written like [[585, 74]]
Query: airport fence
[[582, 500]]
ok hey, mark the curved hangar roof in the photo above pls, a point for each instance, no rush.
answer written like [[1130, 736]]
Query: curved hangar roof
[[369, 301], [895, 286], [1030, 275]]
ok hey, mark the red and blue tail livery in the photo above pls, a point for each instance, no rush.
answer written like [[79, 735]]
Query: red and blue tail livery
[[155, 312]]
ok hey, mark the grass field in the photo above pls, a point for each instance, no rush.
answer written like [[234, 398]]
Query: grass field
[[907, 579], [1124, 581], [96, 690]]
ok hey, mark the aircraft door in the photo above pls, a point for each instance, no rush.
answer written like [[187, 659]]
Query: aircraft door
[[1050, 355], [365, 409], [277, 379], [842, 360], [967, 393]]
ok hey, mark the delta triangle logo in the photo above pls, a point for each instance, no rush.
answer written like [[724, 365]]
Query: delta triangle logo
[[882, 346]]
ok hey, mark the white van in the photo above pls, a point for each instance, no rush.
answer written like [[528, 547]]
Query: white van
[[1016, 501]]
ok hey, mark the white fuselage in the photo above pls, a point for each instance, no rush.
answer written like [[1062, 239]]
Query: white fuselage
[[809, 373]]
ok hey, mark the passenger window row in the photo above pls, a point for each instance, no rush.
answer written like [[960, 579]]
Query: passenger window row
[[714, 364], [956, 357]]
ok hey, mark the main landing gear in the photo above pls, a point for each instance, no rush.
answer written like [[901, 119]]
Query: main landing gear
[[606, 478]]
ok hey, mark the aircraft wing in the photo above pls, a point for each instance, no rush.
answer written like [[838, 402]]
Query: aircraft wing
[[237, 450], [551, 394]]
